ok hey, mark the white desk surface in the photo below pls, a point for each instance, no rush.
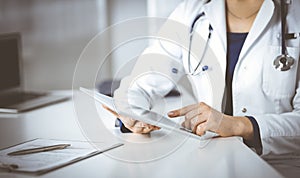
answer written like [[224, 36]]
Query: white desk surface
[[160, 154]]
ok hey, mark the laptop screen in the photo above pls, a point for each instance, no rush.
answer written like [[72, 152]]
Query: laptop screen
[[9, 61]]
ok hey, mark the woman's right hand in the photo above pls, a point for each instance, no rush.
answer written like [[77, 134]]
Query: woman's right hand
[[133, 125]]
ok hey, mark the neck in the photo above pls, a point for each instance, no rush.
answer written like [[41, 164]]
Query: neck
[[241, 14], [243, 9]]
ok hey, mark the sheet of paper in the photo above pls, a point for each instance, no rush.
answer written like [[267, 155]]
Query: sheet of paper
[[45, 161], [145, 115]]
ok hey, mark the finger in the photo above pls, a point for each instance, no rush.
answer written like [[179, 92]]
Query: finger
[[147, 129], [141, 124], [153, 127], [110, 110], [156, 128], [186, 124], [193, 113], [194, 122], [183, 124], [150, 128], [128, 122], [137, 129], [182, 111], [142, 130], [200, 129], [127, 126], [193, 118]]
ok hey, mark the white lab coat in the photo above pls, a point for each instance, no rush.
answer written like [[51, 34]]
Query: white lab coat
[[272, 97]]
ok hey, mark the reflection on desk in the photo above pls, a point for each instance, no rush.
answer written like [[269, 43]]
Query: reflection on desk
[[160, 154]]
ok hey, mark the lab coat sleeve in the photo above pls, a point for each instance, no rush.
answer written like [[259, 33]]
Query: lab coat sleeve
[[158, 68], [280, 133]]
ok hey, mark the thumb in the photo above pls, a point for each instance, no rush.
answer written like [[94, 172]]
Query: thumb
[[111, 111]]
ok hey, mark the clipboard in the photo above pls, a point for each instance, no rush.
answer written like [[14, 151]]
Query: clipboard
[[43, 162], [146, 116]]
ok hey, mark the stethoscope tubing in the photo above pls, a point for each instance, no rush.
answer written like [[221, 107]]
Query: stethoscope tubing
[[194, 72], [283, 62]]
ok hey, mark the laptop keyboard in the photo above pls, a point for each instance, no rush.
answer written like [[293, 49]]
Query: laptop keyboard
[[19, 97]]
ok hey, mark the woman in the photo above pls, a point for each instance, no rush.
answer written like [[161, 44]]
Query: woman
[[262, 104]]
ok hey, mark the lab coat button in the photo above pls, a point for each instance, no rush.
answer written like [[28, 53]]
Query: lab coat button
[[204, 68], [175, 71], [244, 110]]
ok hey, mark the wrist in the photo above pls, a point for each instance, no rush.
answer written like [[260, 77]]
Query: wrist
[[244, 128]]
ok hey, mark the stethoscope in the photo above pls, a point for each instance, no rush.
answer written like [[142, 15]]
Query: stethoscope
[[210, 30], [283, 62]]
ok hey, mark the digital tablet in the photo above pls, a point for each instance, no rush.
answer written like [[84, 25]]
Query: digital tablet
[[146, 116]]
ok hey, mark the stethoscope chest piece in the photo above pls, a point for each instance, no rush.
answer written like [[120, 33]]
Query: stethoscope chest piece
[[283, 62]]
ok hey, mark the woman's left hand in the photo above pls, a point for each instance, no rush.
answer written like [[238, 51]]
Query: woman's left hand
[[201, 117], [133, 125]]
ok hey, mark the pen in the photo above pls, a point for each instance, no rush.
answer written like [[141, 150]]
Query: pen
[[9, 166], [39, 149]]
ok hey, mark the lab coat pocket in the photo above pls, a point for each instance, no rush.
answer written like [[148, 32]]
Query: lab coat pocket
[[279, 84]]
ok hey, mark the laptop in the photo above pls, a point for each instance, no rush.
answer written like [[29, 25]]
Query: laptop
[[13, 99]]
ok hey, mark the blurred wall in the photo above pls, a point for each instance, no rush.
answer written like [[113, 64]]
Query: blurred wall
[[122, 11], [54, 33]]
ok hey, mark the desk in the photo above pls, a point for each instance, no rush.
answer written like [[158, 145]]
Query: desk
[[141, 156]]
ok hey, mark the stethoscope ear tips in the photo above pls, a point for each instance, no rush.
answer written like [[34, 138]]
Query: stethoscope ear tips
[[283, 62]]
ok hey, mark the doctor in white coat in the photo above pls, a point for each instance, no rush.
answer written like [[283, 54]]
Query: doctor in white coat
[[264, 105]]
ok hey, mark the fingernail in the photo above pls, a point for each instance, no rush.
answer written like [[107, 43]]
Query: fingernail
[[170, 113]]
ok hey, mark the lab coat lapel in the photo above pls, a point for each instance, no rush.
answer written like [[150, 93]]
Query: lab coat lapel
[[263, 18], [215, 13]]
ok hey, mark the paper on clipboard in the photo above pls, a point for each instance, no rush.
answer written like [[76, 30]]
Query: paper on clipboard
[[43, 162], [146, 116]]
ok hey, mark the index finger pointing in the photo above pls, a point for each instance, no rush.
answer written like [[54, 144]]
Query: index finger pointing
[[183, 111]]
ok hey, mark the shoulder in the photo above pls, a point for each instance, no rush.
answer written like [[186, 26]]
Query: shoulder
[[194, 5], [187, 9]]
